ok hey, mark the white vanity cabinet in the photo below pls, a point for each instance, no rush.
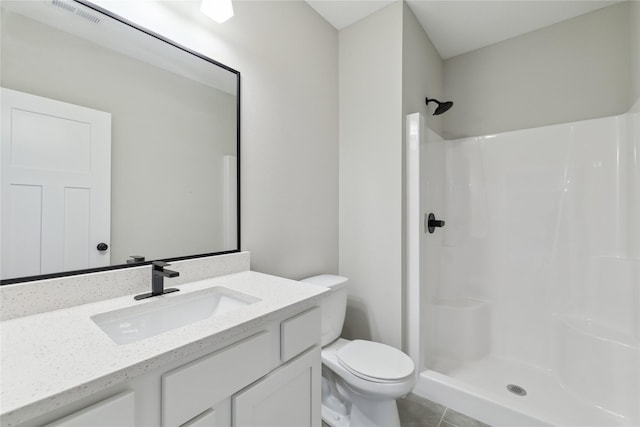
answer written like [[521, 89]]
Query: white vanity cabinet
[[252, 382], [290, 395], [269, 375], [192, 389]]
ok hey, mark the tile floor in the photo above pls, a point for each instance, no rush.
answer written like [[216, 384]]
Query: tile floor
[[418, 412]]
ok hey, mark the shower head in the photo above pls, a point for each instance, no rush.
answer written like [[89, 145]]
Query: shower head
[[442, 107]]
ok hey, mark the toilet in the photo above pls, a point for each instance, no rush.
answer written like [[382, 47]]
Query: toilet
[[361, 380]]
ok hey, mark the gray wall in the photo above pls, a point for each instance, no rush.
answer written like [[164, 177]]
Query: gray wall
[[165, 165], [371, 174], [387, 67], [288, 57], [574, 70], [422, 72], [634, 16]]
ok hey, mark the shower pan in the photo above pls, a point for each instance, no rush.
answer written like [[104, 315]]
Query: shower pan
[[525, 308]]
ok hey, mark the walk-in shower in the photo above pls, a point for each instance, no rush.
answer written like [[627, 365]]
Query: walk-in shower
[[525, 308]]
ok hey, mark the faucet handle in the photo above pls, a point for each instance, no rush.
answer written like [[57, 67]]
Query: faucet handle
[[158, 268], [160, 264]]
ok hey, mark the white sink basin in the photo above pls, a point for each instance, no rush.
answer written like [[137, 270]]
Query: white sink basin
[[169, 312]]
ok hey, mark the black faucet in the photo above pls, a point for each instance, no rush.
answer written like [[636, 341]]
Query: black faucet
[[158, 273]]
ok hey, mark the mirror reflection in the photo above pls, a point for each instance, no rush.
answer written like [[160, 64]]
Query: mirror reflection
[[114, 143]]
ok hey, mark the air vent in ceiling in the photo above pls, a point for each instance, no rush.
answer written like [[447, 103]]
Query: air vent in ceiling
[[78, 12], [88, 16], [64, 5]]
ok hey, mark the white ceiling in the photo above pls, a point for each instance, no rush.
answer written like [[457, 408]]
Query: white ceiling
[[457, 26]]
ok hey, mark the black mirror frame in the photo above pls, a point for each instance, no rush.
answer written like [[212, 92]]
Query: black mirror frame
[[180, 258]]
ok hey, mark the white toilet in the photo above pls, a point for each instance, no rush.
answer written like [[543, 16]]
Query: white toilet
[[361, 380]]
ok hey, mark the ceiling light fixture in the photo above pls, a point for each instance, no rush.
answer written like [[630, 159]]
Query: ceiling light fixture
[[218, 10]]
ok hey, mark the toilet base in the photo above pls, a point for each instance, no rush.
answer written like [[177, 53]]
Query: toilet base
[[344, 407], [374, 413], [380, 414], [333, 418]]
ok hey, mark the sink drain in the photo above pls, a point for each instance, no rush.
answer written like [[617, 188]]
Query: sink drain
[[516, 389]]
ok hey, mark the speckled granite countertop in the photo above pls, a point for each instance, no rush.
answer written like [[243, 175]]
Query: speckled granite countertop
[[55, 358]]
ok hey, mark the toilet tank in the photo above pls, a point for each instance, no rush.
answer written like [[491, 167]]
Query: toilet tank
[[333, 305]]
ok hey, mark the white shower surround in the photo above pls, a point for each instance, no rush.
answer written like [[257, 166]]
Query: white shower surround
[[535, 279]]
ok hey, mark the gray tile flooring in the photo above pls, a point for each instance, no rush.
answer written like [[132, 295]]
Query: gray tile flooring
[[418, 412]]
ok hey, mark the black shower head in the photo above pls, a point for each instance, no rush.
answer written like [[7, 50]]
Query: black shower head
[[442, 107]]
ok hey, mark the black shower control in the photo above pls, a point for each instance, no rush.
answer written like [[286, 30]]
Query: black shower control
[[102, 247], [432, 223]]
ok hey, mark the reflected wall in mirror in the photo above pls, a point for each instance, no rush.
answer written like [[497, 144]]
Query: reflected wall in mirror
[[115, 142]]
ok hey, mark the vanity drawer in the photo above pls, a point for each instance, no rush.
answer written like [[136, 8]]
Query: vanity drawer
[[299, 333], [118, 410], [195, 387]]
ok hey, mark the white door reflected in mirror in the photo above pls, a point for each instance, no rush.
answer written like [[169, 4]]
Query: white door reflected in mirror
[[56, 185]]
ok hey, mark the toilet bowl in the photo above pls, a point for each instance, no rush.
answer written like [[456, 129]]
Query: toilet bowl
[[361, 380]]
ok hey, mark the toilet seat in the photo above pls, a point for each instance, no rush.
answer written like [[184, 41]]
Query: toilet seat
[[376, 362]]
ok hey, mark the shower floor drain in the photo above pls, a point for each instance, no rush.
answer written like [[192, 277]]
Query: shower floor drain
[[516, 389]]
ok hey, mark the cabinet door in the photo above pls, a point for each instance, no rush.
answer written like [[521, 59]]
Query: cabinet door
[[217, 416], [191, 389], [289, 396], [118, 411]]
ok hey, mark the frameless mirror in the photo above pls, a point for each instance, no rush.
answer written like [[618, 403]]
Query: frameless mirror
[[115, 142]]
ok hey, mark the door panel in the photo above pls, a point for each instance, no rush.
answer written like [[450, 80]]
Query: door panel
[[26, 225], [56, 185], [45, 142], [287, 397], [77, 211]]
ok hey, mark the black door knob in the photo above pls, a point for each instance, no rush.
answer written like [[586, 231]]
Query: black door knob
[[102, 246], [432, 223]]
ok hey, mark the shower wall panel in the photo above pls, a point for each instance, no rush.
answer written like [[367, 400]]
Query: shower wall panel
[[540, 257]]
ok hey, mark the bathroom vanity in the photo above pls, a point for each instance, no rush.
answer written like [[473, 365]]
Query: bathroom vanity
[[253, 360], [232, 346]]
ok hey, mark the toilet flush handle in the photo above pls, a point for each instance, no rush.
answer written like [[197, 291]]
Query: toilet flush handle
[[430, 223]]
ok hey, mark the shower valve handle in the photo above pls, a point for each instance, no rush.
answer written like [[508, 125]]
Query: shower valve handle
[[431, 223]]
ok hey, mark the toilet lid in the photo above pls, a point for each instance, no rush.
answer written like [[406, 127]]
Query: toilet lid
[[375, 361]]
